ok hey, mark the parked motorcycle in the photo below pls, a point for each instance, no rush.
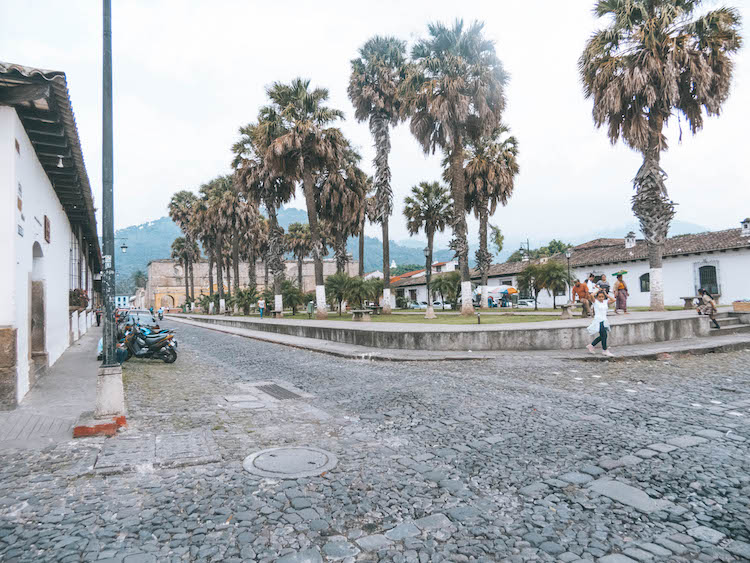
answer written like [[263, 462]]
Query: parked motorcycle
[[156, 346]]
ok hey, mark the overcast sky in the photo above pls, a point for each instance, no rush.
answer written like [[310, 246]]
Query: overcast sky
[[187, 74]]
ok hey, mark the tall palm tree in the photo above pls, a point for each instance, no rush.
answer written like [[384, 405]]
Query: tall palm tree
[[302, 147], [490, 171], [656, 58], [377, 75], [455, 92], [216, 211], [182, 210], [181, 253], [429, 208], [297, 241], [367, 212], [259, 184]]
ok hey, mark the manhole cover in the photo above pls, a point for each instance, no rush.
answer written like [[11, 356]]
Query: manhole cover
[[290, 463], [278, 392]]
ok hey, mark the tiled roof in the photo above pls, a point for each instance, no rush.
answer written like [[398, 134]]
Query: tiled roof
[[610, 251]]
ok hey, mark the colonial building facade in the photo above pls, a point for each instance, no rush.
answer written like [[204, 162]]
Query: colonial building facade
[[49, 250], [166, 279], [718, 261]]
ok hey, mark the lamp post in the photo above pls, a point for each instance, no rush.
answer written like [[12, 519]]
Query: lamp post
[[568, 254], [430, 314]]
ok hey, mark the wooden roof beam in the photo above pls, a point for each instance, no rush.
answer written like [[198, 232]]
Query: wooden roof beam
[[11, 95], [47, 141], [37, 114]]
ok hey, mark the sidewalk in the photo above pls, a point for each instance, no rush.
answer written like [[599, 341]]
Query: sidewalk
[[50, 410], [639, 351]]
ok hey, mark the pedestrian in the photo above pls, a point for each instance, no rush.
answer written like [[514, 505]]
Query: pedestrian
[[98, 317], [621, 295], [707, 306], [261, 306], [600, 324], [581, 291], [603, 285]]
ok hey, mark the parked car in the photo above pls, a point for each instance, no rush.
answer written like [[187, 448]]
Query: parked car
[[439, 305], [525, 302], [418, 305]]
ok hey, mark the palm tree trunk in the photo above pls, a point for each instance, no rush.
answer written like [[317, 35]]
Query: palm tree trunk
[[220, 267], [252, 279], [459, 244], [430, 313], [275, 253], [265, 272], [300, 263], [192, 281], [383, 197], [340, 251], [236, 262], [228, 266], [312, 220], [484, 257], [210, 273], [362, 247], [186, 272]]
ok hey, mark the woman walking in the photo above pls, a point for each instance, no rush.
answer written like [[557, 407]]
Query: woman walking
[[600, 324], [621, 296], [707, 306]]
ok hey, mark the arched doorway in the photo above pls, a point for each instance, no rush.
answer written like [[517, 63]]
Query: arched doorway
[[37, 317], [167, 301]]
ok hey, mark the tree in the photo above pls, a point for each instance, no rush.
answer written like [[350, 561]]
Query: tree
[[357, 291], [554, 247], [297, 241], [302, 147], [656, 58], [428, 208], [336, 288], [447, 285], [497, 238], [554, 278], [181, 253], [531, 280], [367, 212], [454, 91], [182, 210], [292, 295], [490, 172], [260, 184], [245, 298], [377, 75], [140, 279]]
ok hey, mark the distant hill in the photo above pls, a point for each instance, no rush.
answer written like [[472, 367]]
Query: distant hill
[[153, 240]]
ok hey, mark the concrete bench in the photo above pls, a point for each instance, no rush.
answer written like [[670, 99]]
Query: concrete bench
[[277, 314], [376, 309], [690, 301], [566, 314], [361, 315]]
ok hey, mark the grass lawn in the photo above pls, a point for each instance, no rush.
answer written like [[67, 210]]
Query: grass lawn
[[443, 319]]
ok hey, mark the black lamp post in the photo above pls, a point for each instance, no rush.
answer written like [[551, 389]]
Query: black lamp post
[[568, 254]]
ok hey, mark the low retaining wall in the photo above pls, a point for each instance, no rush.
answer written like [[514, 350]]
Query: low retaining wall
[[492, 338]]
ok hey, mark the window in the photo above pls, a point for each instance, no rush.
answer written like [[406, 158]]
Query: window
[[413, 294], [708, 279], [506, 282], [645, 280], [74, 263]]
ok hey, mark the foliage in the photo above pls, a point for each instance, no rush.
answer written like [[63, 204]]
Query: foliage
[[205, 300], [531, 281], [448, 286], [245, 298], [292, 296], [402, 302], [78, 298], [336, 288], [140, 279], [497, 238], [403, 268], [554, 247], [550, 275]]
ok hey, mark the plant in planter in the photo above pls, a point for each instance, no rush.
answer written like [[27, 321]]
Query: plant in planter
[[78, 298]]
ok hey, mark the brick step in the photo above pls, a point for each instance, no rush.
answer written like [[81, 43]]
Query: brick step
[[731, 329]]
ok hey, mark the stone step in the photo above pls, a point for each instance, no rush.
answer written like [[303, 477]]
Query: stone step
[[729, 321], [731, 329]]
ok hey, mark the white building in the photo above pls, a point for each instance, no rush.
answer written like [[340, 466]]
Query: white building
[[48, 242], [122, 301], [718, 261]]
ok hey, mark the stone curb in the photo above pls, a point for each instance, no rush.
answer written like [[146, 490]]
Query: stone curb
[[354, 352]]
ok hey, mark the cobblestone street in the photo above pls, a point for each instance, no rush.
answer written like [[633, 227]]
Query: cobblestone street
[[521, 459]]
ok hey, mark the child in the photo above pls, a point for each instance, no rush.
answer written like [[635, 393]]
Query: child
[[600, 323]]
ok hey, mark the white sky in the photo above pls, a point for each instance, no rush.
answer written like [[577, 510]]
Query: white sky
[[189, 73]]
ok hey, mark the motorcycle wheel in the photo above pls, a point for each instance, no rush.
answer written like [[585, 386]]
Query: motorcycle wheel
[[170, 356]]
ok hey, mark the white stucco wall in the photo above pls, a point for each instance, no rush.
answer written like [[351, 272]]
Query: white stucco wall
[[39, 199], [8, 156]]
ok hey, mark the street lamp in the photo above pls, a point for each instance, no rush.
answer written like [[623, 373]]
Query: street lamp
[[430, 314], [568, 254], [124, 248]]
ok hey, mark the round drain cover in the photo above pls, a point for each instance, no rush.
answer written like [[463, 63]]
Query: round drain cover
[[290, 463]]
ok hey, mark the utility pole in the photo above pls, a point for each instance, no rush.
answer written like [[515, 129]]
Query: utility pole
[[108, 225], [110, 396]]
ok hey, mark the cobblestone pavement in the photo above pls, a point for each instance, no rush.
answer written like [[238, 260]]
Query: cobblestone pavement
[[524, 459]]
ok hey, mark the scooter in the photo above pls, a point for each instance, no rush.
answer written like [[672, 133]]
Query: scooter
[[156, 347]]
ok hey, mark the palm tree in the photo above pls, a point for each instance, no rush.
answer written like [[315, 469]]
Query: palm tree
[[455, 92], [367, 212], [181, 253], [497, 238], [555, 279], [377, 75], [428, 208], [336, 288], [182, 210], [297, 241], [656, 58], [491, 168], [531, 280], [259, 184], [301, 148], [218, 202], [447, 285]]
